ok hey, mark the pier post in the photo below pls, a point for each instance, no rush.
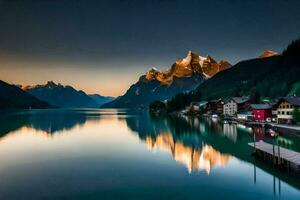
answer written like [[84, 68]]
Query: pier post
[[274, 157], [274, 185], [279, 161], [254, 173], [254, 141]]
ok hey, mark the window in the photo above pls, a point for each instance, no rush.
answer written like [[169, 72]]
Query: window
[[287, 112]]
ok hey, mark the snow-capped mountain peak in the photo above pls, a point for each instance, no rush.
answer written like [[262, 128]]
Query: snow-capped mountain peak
[[192, 64]]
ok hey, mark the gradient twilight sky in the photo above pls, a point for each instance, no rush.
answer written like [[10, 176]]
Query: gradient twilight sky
[[104, 46]]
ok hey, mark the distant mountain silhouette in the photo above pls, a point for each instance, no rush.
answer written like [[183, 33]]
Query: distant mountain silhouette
[[184, 75], [62, 96], [12, 97], [100, 100]]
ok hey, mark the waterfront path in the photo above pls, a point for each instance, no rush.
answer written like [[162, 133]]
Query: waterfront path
[[293, 127], [284, 128]]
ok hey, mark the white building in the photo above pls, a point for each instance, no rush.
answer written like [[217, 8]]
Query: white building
[[234, 105], [230, 108]]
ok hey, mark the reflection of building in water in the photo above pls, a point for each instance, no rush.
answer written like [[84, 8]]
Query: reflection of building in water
[[230, 131], [195, 159], [259, 132]]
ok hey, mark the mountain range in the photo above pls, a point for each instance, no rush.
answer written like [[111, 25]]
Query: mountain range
[[271, 75], [65, 96], [12, 97], [100, 100], [183, 76]]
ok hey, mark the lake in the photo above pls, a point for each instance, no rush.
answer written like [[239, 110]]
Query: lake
[[121, 154]]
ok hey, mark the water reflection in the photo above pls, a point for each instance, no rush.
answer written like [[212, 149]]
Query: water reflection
[[91, 145], [195, 159], [230, 131], [201, 144], [51, 121]]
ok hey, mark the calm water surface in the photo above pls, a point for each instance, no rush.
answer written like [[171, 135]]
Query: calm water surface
[[118, 154]]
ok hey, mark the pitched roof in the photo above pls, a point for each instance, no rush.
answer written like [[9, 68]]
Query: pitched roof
[[244, 112], [295, 101], [260, 106], [201, 103], [239, 100], [216, 101]]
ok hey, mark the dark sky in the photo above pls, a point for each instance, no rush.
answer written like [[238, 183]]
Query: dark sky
[[88, 43]]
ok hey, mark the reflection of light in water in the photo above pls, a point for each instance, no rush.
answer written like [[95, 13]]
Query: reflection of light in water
[[30, 145], [202, 128], [244, 128], [196, 122], [230, 131], [214, 120], [241, 126], [284, 140], [193, 158]]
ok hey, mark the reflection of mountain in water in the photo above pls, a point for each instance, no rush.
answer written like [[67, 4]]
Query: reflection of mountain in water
[[52, 122], [195, 159], [187, 138], [183, 140], [49, 121]]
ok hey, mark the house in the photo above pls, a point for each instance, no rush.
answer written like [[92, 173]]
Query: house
[[261, 112], [285, 107], [196, 106], [215, 107], [234, 105]]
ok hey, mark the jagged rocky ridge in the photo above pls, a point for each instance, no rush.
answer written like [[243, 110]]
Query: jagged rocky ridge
[[184, 75], [271, 76]]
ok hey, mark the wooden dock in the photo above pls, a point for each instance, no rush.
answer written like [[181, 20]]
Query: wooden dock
[[281, 156]]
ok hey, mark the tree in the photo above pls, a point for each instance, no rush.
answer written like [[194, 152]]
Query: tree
[[157, 106], [296, 115], [254, 96]]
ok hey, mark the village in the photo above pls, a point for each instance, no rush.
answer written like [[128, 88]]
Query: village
[[281, 114], [269, 119]]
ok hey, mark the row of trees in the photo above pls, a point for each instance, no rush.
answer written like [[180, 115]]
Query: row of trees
[[296, 115], [177, 103], [271, 77]]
